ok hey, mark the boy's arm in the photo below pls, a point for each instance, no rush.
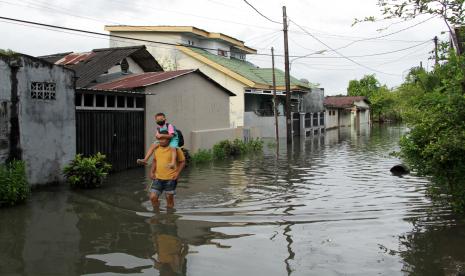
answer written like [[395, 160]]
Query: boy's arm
[[149, 152], [153, 169], [169, 136]]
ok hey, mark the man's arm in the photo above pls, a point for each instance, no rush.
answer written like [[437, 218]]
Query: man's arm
[[180, 167]]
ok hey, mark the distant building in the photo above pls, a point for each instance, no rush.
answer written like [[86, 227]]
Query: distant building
[[193, 102], [346, 111], [224, 59], [37, 118]]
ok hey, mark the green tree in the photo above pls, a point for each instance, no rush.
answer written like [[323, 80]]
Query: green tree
[[381, 98], [451, 11], [366, 86], [433, 104]]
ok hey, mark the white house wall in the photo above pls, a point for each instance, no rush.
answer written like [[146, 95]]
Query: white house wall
[[345, 117], [133, 67], [191, 103], [215, 45], [236, 103], [364, 112], [165, 55], [331, 121]]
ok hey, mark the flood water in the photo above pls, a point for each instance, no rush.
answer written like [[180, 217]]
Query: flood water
[[329, 207]]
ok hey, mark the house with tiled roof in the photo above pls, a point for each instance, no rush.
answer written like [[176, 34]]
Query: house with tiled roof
[[222, 58], [344, 111], [120, 89], [192, 101]]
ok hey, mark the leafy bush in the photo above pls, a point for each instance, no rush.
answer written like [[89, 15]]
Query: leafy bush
[[87, 172], [226, 149], [435, 146], [255, 145], [13, 183]]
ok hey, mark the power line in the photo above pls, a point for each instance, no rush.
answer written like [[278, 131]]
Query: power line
[[179, 44], [343, 56], [386, 35], [361, 39], [264, 16]]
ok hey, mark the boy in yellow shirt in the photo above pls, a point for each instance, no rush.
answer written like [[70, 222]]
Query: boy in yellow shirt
[[165, 177]]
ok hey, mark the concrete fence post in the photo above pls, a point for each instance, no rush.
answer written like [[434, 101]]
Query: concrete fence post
[[302, 125]]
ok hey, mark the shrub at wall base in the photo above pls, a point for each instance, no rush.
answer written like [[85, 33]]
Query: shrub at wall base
[[87, 172], [13, 183]]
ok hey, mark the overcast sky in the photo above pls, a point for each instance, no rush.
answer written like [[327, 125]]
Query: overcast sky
[[329, 21]]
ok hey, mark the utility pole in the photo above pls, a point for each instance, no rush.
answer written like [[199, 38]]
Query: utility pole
[[436, 58], [275, 108], [287, 78]]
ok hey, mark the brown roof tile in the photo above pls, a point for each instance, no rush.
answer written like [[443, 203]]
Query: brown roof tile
[[343, 101], [134, 81]]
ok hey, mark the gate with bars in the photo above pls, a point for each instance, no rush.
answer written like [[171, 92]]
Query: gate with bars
[[111, 123]]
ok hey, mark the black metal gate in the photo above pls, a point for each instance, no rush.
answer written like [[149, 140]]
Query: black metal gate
[[117, 134]]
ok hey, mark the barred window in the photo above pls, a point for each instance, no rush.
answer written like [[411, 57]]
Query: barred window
[[43, 90]]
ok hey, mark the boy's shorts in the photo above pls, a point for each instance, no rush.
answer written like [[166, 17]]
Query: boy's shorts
[[168, 186]]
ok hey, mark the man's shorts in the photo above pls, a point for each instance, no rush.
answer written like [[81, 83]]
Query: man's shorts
[[168, 186]]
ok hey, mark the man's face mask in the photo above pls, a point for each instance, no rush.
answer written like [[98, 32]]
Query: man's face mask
[[161, 122]]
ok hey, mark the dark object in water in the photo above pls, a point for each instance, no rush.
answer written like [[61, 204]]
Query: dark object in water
[[400, 169]]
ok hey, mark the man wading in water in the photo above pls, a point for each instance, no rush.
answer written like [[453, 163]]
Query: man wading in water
[[165, 177]]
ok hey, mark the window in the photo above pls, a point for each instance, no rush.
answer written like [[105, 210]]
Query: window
[[120, 101], [78, 99], [130, 103], [104, 101], [139, 102], [100, 100], [43, 90], [88, 100], [222, 53], [110, 101]]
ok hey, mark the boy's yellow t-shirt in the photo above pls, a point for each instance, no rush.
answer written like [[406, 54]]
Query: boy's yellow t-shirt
[[162, 155]]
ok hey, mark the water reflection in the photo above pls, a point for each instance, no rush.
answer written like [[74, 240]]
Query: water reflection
[[170, 251], [328, 205]]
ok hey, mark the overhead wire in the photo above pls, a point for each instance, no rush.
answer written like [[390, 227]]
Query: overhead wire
[[342, 55], [264, 16], [153, 41]]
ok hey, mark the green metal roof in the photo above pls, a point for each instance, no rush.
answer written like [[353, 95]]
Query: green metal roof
[[251, 71]]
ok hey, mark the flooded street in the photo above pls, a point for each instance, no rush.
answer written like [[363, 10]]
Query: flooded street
[[329, 207]]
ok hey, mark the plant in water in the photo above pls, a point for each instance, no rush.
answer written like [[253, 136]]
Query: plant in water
[[202, 156], [226, 149], [87, 172], [14, 187]]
